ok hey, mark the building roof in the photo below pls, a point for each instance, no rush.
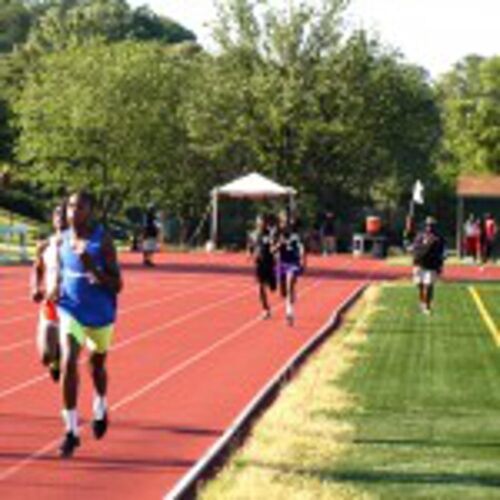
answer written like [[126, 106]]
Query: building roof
[[478, 186]]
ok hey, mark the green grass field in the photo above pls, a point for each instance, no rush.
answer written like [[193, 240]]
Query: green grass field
[[423, 419], [428, 420]]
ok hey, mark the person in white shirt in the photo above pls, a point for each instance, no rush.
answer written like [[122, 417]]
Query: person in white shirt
[[45, 289]]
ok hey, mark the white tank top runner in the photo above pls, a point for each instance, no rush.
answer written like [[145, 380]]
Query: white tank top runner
[[51, 264]]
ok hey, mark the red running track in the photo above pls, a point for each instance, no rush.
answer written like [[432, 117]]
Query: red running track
[[189, 355]]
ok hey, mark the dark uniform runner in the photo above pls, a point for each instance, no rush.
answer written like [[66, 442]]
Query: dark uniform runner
[[428, 259], [262, 244], [291, 256]]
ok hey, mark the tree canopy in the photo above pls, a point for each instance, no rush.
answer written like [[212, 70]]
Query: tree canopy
[[101, 116], [124, 101], [470, 103]]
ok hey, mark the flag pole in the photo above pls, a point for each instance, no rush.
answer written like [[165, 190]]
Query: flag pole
[[411, 211], [410, 218]]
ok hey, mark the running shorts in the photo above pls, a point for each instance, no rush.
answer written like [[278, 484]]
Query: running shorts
[[97, 339]]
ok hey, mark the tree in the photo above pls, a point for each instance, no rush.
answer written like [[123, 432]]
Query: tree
[[470, 100], [70, 23], [102, 117], [146, 25], [345, 120], [259, 84], [15, 23], [387, 121], [6, 131]]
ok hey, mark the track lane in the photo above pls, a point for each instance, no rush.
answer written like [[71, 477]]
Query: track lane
[[176, 418]]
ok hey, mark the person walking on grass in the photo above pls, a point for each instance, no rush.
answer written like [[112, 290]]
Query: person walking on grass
[[45, 289], [291, 262], [428, 259], [261, 249], [90, 283]]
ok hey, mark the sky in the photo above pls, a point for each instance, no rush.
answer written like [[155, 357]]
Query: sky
[[434, 34]]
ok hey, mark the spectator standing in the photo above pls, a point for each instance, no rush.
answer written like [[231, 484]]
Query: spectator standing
[[328, 236]]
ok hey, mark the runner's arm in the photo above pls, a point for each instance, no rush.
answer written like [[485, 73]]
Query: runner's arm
[[251, 243], [110, 275], [37, 274]]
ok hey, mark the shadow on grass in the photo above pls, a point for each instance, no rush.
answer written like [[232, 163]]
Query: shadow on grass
[[388, 477], [432, 443], [445, 478]]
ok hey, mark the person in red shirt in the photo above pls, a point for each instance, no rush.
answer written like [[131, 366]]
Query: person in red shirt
[[490, 232]]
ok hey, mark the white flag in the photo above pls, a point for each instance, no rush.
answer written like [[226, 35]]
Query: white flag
[[418, 193]]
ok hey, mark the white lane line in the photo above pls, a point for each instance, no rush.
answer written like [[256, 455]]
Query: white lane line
[[193, 473], [24, 343], [200, 355], [17, 345], [127, 310], [9, 472], [129, 291], [29, 459], [131, 285], [32, 316], [136, 338]]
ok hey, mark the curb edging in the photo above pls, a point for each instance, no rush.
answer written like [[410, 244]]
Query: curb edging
[[185, 488]]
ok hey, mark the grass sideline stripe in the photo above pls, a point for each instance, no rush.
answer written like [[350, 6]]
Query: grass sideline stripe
[[485, 315]]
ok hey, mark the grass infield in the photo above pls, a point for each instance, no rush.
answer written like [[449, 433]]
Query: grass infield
[[396, 405]]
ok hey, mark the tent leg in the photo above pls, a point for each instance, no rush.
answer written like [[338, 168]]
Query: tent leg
[[292, 206], [215, 220], [460, 225]]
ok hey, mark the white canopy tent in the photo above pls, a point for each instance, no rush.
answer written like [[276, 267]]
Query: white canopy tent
[[253, 187]]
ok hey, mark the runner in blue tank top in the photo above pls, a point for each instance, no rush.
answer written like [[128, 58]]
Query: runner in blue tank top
[[89, 283]]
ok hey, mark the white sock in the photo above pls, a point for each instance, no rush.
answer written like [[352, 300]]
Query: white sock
[[289, 308], [70, 418], [100, 406]]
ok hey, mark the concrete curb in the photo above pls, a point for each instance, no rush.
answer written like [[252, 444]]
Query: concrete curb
[[185, 488]]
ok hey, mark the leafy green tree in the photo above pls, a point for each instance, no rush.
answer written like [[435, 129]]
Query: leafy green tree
[[287, 93], [259, 84], [48, 25], [344, 120], [388, 121], [146, 25], [12, 75], [66, 25], [6, 132], [470, 101], [102, 117], [70, 23], [15, 23]]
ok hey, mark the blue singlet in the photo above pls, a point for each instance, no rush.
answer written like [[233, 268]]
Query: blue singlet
[[91, 304]]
